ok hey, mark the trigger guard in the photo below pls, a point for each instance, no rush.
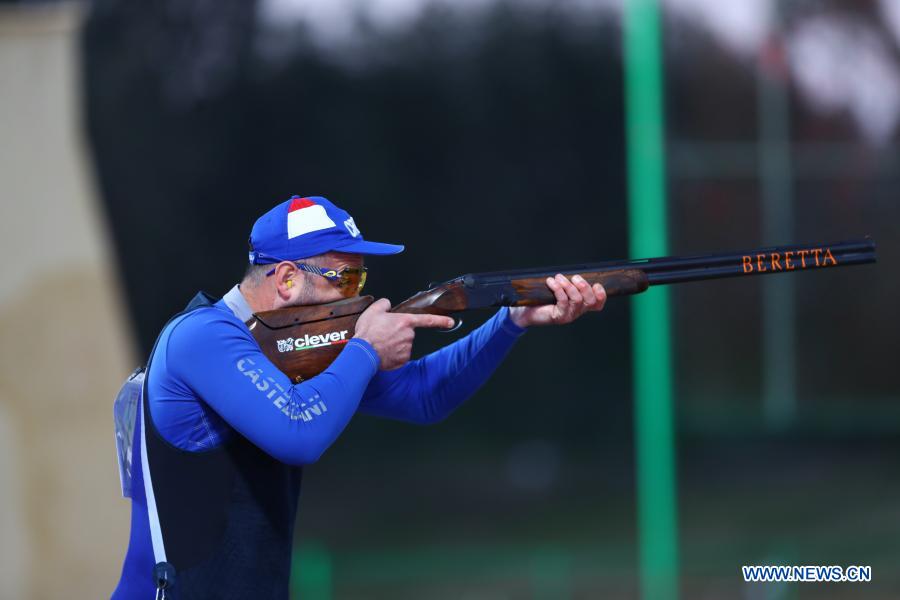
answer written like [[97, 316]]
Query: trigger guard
[[459, 323]]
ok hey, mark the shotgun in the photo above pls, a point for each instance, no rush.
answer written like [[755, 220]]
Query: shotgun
[[303, 340]]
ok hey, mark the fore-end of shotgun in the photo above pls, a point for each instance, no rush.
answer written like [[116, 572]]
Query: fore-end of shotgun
[[470, 292]]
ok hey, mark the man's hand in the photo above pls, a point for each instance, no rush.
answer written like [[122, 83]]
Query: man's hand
[[573, 299], [391, 334]]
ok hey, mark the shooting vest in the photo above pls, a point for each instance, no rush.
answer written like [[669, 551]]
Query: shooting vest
[[221, 520]]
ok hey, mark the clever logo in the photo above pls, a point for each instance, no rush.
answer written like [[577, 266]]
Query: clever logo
[[308, 342]]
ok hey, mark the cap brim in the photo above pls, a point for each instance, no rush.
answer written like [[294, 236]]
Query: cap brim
[[366, 247]]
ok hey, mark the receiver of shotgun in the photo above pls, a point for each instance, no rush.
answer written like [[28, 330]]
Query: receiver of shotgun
[[303, 340]]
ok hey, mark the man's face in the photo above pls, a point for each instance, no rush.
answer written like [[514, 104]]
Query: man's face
[[315, 289]]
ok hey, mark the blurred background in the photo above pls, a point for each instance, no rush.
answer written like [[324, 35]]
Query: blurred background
[[139, 142]]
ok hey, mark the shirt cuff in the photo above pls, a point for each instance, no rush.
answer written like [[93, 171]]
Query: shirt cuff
[[507, 324], [367, 349]]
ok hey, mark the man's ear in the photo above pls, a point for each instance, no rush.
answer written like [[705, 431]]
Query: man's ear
[[284, 279]]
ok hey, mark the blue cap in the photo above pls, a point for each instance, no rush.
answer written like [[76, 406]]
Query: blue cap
[[304, 227]]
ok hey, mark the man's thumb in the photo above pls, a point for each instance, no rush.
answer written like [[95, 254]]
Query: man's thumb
[[381, 305]]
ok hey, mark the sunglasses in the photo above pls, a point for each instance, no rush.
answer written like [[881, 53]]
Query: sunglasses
[[348, 279]]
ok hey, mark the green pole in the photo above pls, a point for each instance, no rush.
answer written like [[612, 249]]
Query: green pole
[[779, 339], [311, 572], [651, 345]]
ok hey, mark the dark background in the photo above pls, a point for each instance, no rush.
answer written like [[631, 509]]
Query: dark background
[[494, 139]]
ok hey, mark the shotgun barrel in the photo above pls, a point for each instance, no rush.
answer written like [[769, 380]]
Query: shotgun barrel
[[526, 287], [672, 269]]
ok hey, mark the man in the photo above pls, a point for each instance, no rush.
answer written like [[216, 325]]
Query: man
[[221, 435]]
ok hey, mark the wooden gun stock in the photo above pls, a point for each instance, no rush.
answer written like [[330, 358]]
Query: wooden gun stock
[[303, 340]]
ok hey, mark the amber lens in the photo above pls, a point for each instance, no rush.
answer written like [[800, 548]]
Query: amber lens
[[353, 278]]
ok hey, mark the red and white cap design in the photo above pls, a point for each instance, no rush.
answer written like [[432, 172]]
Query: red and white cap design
[[305, 216], [309, 226]]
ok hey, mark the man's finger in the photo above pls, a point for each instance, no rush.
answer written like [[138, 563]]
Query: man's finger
[[562, 299], [380, 305], [600, 293], [438, 321], [571, 291], [585, 289]]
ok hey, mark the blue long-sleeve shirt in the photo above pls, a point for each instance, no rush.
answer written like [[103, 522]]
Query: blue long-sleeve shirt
[[209, 379]]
